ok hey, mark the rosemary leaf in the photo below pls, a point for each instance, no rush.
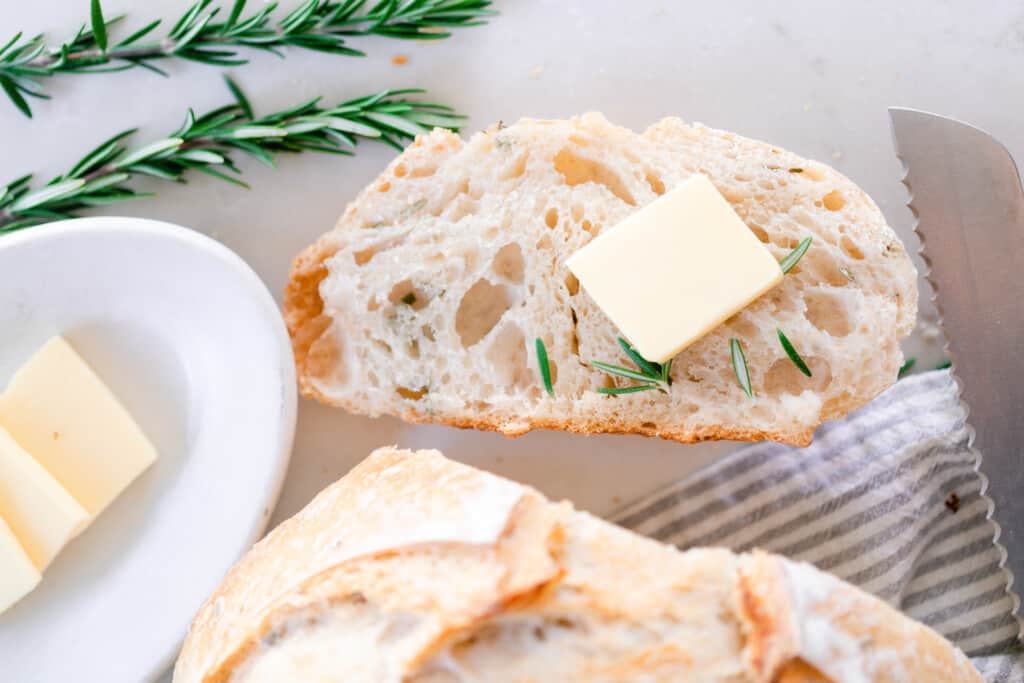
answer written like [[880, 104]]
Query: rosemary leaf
[[944, 365], [545, 367], [99, 26], [615, 391], [739, 366], [240, 98], [641, 362], [792, 353], [794, 256], [620, 371], [907, 366]]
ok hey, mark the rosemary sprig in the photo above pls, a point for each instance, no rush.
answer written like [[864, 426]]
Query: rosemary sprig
[[200, 36], [907, 366], [794, 256], [205, 144], [792, 353], [545, 367], [651, 375], [739, 366]]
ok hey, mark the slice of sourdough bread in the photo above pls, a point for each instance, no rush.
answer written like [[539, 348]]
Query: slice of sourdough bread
[[424, 302], [416, 569]]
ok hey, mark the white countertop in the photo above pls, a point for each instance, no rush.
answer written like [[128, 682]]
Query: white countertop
[[812, 78]]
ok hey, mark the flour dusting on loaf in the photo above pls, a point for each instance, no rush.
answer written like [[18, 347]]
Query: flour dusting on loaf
[[424, 302], [549, 594]]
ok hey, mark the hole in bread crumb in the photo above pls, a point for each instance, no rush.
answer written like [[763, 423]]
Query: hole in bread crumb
[[384, 187], [400, 171], [657, 187], [406, 294], [850, 248], [428, 332], [834, 200], [412, 394], [414, 349], [551, 218], [575, 346], [785, 378], [578, 170], [507, 355], [383, 346], [516, 169], [572, 284], [480, 310], [576, 210], [323, 359], [464, 206], [508, 263], [423, 171], [648, 425], [590, 227], [759, 232], [827, 313], [364, 256], [372, 304], [813, 173]]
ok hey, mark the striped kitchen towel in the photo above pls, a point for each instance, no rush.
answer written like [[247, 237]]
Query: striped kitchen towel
[[887, 499]]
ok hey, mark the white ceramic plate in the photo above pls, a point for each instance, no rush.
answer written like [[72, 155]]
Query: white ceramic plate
[[193, 344]]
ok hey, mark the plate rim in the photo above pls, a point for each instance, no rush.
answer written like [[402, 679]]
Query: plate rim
[[255, 287]]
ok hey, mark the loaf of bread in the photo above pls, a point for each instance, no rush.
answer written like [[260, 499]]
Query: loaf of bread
[[424, 302], [416, 569]]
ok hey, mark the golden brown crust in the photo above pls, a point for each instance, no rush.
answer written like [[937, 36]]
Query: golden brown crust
[[434, 560]]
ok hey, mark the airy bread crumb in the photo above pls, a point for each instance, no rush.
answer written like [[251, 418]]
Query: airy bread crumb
[[424, 302]]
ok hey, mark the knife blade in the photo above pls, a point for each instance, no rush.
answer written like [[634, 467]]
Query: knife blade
[[965, 192]]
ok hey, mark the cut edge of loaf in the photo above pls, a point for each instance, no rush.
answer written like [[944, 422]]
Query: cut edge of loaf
[[308, 324]]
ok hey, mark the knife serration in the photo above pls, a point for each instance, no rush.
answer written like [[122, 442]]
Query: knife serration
[[966, 197]]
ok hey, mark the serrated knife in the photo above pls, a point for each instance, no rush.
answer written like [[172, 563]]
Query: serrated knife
[[965, 192]]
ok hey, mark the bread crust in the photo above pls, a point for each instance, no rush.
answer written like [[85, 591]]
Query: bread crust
[[321, 363], [431, 567]]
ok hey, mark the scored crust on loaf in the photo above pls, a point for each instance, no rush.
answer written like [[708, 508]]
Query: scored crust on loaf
[[424, 302], [416, 569]]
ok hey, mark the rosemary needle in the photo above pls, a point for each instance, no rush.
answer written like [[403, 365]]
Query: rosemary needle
[[739, 366], [794, 256], [792, 353], [545, 367]]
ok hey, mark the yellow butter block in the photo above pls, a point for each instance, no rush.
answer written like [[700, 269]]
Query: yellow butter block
[[58, 410], [18, 575], [40, 512], [676, 269]]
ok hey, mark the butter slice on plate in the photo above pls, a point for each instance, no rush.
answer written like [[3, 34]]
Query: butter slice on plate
[[40, 512], [61, 412], [676, 269], [18, 576]]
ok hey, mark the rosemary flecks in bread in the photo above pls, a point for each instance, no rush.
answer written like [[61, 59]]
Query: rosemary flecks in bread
[[479, 232]]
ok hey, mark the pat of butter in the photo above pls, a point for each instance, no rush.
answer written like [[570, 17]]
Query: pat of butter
[[675, 269], [40, 512], [18, 576], [60, 412]]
